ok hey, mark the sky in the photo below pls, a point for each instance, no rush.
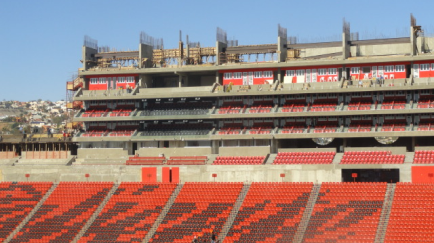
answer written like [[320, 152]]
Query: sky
[[40, 41]]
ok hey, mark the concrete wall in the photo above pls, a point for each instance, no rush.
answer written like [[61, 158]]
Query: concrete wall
[[201, 173], [46, 154], [189, 151], [309, 52], [102, 153], [86, 55], [308, 150], [394, 150], [146, 81], [207, 80], [8, 155], [424, 148], [145, 51], [378, 50], [244, 151]]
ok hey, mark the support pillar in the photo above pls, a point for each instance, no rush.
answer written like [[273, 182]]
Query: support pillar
[[413, 144], [215, 147], [274, 146]]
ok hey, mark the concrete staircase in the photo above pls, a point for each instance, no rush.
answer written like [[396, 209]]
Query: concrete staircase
[[228, 224], [409, 157], [338, 157], [298, 237], [163, 213], [211, 158], [385, 213], [34, 210], [270, 159], [96, 213]]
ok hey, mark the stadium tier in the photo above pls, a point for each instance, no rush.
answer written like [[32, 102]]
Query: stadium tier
[[271, 212], [199, 210], [17, 199], [232, 212], [64, 213], [130, 213], [276, 142]]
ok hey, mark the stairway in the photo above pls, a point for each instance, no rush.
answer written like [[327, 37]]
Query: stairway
[[337, 159], [34, 210], [228, 224], [211, 158], [385, 213], [163, 213], [96, 213], [270, 159], [409, 157], [298, 237]]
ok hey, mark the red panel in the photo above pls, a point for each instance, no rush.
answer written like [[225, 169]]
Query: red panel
[[421, 174], [149, 174], [175, 174], [166, 174]]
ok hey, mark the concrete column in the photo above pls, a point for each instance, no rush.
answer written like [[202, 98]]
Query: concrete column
[[218, 78], [282, 46], [215, 146], [346, 47], [413, 143], [413, 41], [145, 51], [88, 54], [145, 81], [220, 47], [279, 76], [411, 70], [274, 146]]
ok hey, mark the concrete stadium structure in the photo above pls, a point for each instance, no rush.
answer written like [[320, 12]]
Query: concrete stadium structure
[[235, 101]]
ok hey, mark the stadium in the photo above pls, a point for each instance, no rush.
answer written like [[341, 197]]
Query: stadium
[[282, 142]]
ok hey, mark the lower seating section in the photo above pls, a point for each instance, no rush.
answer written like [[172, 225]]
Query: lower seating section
[[372, 157], [323, 107], [425, 103], [393, 127], [423, 157], [130, 213], [294, 107], [187, 108], [121, 112], [346, 212], [393, 104], [425, 126], [232, 108], [231, 128], [121, 133], [95, 113], [304, 158], [17, 199], [260, 109], [64, 213], [261, 128], [95, 133], [199, 209], [140, 160], [239, 160], [271, 212], [356, 105], [187, 160], [325, 127], [411, 217], [292, 129], [177, 129], [360, 126]]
